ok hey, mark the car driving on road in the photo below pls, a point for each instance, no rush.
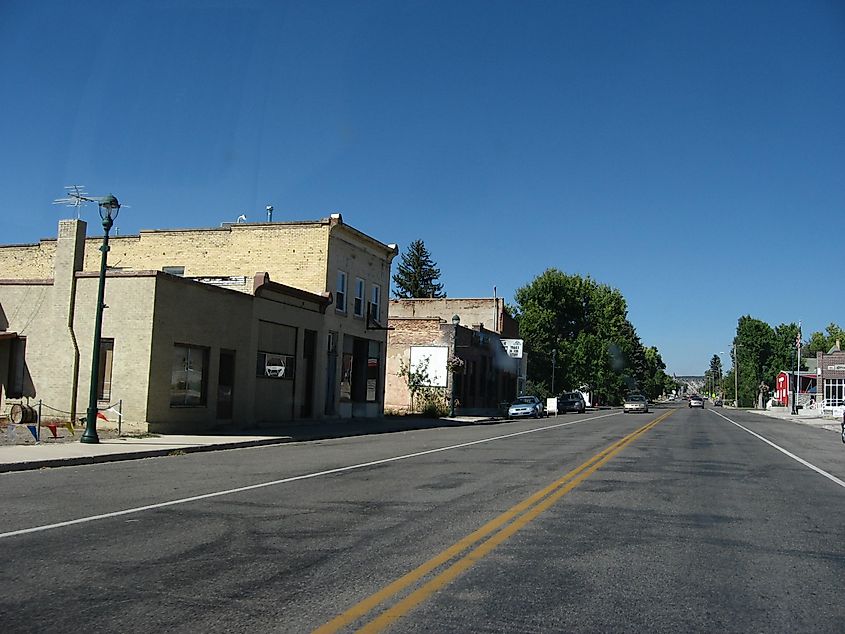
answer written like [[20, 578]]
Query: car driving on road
[[696, 401], [636, 403], [526, 406]]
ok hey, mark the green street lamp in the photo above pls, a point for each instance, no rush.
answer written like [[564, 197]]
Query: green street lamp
[[109, 208], [456, 321]]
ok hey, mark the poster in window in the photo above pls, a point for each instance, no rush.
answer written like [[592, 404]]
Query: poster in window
[[346, 377], [373, 365], [276, 366]]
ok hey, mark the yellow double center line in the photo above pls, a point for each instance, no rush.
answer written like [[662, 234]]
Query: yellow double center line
[[490, 535]]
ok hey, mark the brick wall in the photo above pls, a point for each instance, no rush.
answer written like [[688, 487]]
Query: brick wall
[[407, 333], [294, 254], [19, 261], [489, 311]]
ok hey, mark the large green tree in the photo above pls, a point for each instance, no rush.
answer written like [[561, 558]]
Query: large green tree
[[417, 274], [586, 324], [819, 342], [761, 352]]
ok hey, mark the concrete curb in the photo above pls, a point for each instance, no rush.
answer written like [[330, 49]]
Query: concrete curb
[[49, 463], [31, 465]]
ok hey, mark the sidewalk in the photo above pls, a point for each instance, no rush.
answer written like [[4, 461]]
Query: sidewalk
[[812, 419], [62, 454]]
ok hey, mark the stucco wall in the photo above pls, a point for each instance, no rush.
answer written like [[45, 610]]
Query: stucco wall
[[129, 321], [193, 314]]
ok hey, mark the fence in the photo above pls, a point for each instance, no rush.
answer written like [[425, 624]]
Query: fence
[[22, 414]]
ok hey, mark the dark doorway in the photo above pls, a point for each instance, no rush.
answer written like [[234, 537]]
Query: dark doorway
[[226, 384], [309, 352], [331, 372], [359, 370]]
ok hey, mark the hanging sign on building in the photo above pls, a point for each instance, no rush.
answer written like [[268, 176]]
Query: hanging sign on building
[[513, 347]]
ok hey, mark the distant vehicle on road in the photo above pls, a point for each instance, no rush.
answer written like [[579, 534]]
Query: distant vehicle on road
[[636, 403], [526, 406], [696, 401], [571, 402], [717, 403]]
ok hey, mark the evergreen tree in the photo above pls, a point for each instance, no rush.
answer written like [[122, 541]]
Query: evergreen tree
[[417, 274]]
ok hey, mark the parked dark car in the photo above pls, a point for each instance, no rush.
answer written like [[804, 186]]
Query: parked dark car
[[571, 402], [717, 403]]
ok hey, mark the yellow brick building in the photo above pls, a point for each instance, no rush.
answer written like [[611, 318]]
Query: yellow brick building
[[283, 318]]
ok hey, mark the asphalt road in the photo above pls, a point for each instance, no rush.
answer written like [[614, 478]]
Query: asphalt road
[[678, 520]]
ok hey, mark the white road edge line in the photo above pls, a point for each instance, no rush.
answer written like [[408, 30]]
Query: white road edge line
[[827, 475], [307, 476]]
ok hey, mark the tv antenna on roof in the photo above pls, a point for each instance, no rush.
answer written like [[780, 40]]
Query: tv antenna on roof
[[77, 197]]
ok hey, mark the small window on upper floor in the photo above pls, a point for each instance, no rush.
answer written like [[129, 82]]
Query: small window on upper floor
[[340, 292], [359, 297], [174, 270], [375, 302]]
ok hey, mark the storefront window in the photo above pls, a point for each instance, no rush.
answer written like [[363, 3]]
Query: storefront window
[[275, 365], [373, 365], [346, 377], [188, 377], [834, 391]]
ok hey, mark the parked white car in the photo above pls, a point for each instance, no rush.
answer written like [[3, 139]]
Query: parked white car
[[526, 406]]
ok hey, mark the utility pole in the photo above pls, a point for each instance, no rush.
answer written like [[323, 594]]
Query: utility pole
[[797, 372], [736, 378]]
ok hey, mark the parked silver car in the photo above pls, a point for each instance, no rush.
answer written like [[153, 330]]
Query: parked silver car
[[526, 406]]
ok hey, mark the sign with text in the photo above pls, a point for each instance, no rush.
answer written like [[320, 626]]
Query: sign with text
[[513, 347]]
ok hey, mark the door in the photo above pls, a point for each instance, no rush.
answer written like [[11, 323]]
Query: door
[[308, 353], [226, 385], [331, 373]]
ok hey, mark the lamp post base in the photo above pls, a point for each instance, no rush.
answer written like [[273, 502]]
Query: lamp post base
[[89, 436]]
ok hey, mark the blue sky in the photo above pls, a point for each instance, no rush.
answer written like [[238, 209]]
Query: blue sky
[[690, 154]]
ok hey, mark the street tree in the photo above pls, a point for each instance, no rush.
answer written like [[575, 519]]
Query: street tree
[[754, 343], [819, 342], [586, 324], [417, 275]]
